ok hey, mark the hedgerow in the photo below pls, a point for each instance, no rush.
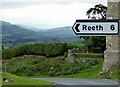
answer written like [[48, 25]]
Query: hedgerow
[[45, 49]]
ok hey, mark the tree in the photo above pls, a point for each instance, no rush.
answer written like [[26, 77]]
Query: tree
[[94, 43], [98, 12]]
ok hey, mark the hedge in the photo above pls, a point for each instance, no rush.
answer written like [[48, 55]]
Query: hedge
[[45, 49]]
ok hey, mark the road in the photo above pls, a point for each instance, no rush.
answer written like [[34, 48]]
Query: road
[[75, 81]]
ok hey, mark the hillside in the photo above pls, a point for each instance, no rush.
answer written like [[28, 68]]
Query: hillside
[[16, 35], [60, 32]]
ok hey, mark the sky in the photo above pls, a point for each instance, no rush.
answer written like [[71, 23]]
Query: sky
[[45, 14]]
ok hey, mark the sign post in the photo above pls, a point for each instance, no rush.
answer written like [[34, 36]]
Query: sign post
[[96, 27], [112, 52]]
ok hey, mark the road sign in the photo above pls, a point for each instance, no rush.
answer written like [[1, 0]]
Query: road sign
[[96, 27]]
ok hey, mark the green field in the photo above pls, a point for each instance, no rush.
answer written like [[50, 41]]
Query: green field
[[92, 72], [40, 66], [49, 60], [17, 80], [32, 65]]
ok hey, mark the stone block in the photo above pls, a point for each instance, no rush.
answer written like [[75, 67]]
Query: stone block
[[112, 53]]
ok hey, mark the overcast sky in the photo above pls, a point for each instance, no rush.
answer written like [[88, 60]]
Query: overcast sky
[[46, 13]]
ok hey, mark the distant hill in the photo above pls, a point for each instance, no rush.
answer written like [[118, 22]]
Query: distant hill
[[28, 27], [60, 32], [15, 35], [63, 34]]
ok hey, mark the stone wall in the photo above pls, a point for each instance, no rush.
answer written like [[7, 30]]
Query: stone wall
[[70, 54], [71, 57], [112, 53]]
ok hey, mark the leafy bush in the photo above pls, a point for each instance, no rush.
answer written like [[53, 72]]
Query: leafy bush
[[45, 49], [7, 54], [89, 55], [40, 65]]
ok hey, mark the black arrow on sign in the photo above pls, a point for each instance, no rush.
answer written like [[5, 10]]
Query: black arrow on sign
[[76, 27]]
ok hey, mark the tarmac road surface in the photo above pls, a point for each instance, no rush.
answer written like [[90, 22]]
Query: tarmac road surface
[[74, 82]]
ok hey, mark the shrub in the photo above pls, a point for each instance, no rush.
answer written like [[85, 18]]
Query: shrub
[[45, 49], [7, 54], [39, 65]]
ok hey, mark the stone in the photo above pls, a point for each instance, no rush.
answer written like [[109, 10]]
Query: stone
[[112, 52], [70, 56], [8, 79]]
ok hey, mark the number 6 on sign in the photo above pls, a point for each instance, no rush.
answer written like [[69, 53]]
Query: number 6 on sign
[[112, 27]]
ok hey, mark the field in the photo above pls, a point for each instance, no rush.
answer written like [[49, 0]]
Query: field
[[90, 72], [32, 65], [49, 60]]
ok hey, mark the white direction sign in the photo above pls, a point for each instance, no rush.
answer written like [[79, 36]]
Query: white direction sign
[[96, 27]]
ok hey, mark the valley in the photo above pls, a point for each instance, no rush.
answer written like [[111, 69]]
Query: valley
[[14, 35], [29, 54]]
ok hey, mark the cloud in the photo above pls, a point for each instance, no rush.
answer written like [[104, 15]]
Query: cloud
[[22, 3], [48, 15], [58, 1]]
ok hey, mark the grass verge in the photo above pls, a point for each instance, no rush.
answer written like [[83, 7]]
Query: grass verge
[[89, 55], [17, 80], [91, 73], [113, 73]]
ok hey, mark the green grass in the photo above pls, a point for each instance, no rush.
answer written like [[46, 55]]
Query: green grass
[[87, 73], [92, 72], [113, 73], [17, 80], [31, 65], [89, 55]]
